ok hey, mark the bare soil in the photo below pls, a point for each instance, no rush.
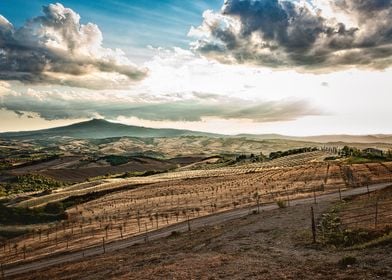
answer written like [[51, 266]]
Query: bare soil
[[82, 174]]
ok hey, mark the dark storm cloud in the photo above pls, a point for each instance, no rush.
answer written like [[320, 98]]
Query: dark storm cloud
[[56, 48], [278, 33]]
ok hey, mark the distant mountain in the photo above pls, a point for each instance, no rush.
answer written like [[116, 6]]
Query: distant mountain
[[98, 129], [376, 138], [379, 138]]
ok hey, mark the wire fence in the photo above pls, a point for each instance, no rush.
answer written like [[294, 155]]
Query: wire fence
[[376, 213]]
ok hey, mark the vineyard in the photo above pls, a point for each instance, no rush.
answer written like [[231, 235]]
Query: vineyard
[[113, 184], [139, 205]]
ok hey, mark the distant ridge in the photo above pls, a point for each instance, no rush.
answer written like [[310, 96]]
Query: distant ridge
[[344, 138], [99, 129]]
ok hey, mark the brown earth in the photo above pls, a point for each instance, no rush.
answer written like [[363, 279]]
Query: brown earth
[[82, 174], [73, 169]]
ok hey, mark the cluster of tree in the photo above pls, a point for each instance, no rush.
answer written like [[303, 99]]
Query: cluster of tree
[[16, 215], [115, 160], [143, 173], [252, 157], [334, 150], [278, 154], [369, 153], [29, 183], [30, 160]]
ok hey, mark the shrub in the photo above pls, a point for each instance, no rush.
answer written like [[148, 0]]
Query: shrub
[[281, 203], [347, 261], [54, 208], [174, 233]]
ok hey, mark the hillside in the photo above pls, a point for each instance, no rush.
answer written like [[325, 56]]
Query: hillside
[[98, 129]]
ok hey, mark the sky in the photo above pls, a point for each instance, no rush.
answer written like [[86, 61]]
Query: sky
[[305, 67]]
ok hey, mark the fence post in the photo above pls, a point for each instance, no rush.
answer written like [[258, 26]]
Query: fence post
[[24, 251], [189, 224], [313, 224], [376, 215], [103, 245], [314, 195], [288, 198], [146, 234], [340, 194]]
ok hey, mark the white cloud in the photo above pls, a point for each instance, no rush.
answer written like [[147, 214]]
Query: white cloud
[[56, 48]]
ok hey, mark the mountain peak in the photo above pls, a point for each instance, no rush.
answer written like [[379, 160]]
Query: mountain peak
[[93, 123], [97, 121]]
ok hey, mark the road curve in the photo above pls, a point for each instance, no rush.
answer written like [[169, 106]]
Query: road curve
[[180, 227]]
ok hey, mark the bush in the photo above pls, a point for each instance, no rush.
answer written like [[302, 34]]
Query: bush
[[335, 234], [281, 203], [54, 208], [175, 233], [115, 160], [347, 261], [15, 216], [278, 154]]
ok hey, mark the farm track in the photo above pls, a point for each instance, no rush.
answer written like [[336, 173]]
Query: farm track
[[212, 219]]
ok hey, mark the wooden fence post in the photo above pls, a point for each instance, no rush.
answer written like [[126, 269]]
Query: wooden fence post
[[313, 224], [288, 198], [189, 224], [146, 234], [103, 245], [340, 194], [376, 215]]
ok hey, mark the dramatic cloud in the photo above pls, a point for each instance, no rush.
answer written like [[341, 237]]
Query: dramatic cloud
[[56, 48], [312, 35], [196, 106]]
